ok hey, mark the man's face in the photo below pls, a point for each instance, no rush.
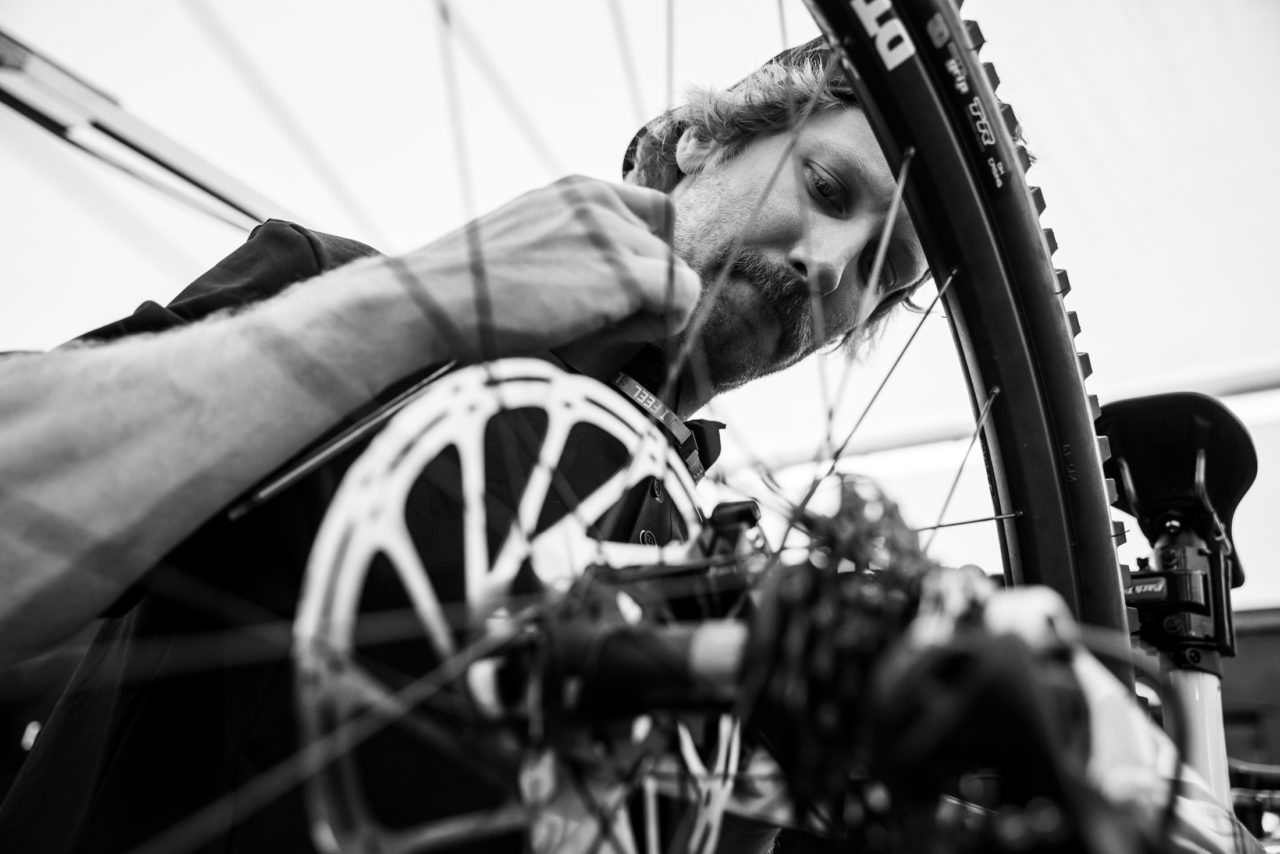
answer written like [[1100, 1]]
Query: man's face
[[803, 258]]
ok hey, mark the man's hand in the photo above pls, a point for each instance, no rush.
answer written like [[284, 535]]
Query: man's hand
[[577, 257]]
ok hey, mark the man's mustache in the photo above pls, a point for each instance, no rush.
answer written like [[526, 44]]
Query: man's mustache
[[780, 287]]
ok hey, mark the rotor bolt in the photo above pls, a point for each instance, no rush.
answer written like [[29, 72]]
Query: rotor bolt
[[1193, 655], [1172, 623]]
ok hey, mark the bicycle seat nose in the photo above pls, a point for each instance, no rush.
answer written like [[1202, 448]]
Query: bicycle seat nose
[[1182, 454]]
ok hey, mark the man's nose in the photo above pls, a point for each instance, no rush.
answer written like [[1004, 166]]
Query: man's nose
[[828, 259], [818, 277]]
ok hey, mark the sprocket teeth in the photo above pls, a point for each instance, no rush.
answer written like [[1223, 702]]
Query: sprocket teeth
[[1113, 494], [1118, 535], [1024, 157], [1064, 282], [973, 33], [1095, 408], [1073, 320], [1086, 365], [1104, 449]]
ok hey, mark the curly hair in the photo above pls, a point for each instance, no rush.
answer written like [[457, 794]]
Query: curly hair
[[797, 81]]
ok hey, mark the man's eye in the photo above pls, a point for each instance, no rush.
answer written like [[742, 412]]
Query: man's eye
[[889, 276], [824, 187], [888, 281]]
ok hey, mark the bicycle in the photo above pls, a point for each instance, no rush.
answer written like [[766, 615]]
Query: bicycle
[[1040, 524]]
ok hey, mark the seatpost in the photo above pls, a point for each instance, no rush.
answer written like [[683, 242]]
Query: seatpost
[[1182, 597]]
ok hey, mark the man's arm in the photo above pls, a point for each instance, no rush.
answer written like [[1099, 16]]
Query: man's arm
[[111, 454]]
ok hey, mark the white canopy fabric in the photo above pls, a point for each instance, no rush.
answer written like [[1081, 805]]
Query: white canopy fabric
[[1154, 123]]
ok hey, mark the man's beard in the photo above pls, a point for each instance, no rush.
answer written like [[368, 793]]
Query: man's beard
[[781, 290]]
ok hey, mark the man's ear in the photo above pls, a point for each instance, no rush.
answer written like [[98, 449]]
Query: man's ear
[[693, 152]]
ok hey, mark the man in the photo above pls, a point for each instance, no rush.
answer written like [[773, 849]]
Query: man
[[166, 725]]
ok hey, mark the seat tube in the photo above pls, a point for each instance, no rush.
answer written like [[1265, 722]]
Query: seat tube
[[1197, 695]]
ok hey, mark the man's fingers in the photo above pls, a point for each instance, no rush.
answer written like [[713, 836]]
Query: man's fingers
[[652, 207], [669, 289]]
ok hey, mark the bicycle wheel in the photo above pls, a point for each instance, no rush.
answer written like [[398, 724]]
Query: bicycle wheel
[[916, 71]]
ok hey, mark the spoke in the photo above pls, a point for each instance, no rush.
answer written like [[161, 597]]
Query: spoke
[[772, 804], [979, 520], [872, 294], [632, 778], [715, 784], [782, 25], [349, 684], [839, 451], [671, 53], [453, 25], [258, 635], [607, 818], [977, 431], [519, 540], [207, 823], [451, 831], [827, 401], [277, 108], [475, 255], [866, 410], [817, 316], [628, 61], [463, 349], [500, 88], [668, 233], [248, 644], [441, 322], [866, 307], [149, 660]]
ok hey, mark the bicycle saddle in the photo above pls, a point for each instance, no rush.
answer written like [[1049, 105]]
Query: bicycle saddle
[[1183, 455]]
